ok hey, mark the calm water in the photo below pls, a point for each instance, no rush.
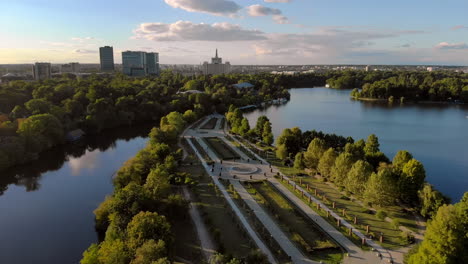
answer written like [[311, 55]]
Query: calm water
[[46, 208], [437, 135]]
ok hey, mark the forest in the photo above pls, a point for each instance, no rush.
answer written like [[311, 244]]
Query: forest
[[36, 116]]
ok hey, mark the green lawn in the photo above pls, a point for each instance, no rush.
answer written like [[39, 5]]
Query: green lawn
[[220, 148], [313, 242], [210, 124]]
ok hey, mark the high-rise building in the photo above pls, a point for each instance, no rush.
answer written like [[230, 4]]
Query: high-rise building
[[216, 66], [140, 63], [42, 70], [70, 67], [152, 63], [106, 55]]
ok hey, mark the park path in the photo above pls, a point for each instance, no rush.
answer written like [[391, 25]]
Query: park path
[[357, 255], [274, 230], [207, 244], [263, 248]]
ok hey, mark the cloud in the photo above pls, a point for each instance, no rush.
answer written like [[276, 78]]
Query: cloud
[[81, 40], [451, 46], [189, 31], [213, 7], [84, 51], [278, 1], [259, 10], [459, 27]]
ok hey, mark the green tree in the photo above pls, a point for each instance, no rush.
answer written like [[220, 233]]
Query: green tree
[[445, 239], [145, 226], [381, 188], [372, 144], [157, 183], [189, 116], [41, 132], [358, 176], [299, 161], [259, 127], [326, 163], [430, 200], [113, 252], [291, 139], [150, 251], [282, 152], [339, 171], [245, 127], [91, 255], [314, 153], [401, 158], [411, 180], [267, 135]]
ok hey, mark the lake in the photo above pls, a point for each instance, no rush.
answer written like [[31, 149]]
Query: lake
[[46, 207], [436, 134]]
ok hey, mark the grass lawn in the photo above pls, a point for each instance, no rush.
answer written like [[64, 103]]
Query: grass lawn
[[313, 242], [222, 150], [210, 124]]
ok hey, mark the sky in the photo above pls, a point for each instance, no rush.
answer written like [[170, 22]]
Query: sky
[[429, 32]]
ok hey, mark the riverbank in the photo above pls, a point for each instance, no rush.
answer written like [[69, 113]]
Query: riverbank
[[407, 101]]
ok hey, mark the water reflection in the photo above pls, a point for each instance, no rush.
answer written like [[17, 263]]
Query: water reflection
[[82, 154]]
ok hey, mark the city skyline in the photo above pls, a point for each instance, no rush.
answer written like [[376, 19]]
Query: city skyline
[[253, 32]]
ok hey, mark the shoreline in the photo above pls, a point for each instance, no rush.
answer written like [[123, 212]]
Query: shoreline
[[407, 101]]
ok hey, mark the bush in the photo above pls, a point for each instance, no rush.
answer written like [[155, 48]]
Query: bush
[[345, 198], [395, 224], [381, 214]]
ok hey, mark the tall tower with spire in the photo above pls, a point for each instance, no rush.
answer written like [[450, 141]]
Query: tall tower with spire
[[216, 59], [216, 66]]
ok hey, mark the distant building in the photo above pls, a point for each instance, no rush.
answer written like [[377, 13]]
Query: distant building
[[106, 55], [139, 63], [70, 67], [368, 68], [41, 71], [429, 69], [216, 66]]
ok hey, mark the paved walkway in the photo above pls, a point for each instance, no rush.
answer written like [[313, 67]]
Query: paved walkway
[[274, 230], [263, 248], [207, 244]]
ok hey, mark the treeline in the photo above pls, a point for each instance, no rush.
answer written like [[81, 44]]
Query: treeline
[[240, 125], [361, 169], [135, 221], [417, 86], [37, 115]]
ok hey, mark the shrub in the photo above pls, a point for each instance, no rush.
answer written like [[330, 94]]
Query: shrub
[[381, 214]]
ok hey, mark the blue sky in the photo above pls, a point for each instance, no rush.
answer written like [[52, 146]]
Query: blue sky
[[245, 31]]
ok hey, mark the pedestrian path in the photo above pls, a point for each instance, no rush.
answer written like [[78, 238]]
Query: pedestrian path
[[283, 241]]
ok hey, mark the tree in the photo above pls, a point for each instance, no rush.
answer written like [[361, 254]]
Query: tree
[[145, 226], [314, 153], [358, 176], [372, 144], [339, 171], [291, 139], [326, 163], [157, 183], [299, 161], [381, 188], [445, 238], [401, 158], [356, 150], [430, 200], [411, 180], [41, 132], [282, 152], [267, 135], [259, 127], [150, 251], [190, 116], [91, 255], [113, 252], [245, 127]]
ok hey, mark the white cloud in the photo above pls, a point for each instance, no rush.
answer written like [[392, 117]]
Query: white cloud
[[451, 46], [259, 10], [84, 51], [214, 7], [189, 31], [459, 27]]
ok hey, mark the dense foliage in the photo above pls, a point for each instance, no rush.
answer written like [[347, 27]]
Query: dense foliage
[[136, 218], [445, 240], [240, 125], [37, 115]]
